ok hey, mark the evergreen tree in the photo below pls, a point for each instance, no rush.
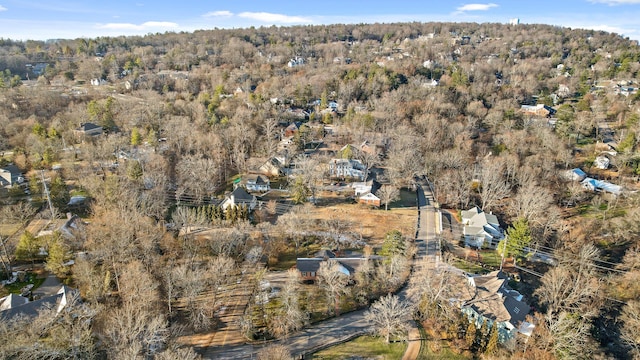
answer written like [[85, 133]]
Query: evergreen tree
[[394, 244], [136, 137], [134, 170], [300, 192], [518, 238], [28, 247], [59, 254], [484, 335], [470, 336], [492, 344]]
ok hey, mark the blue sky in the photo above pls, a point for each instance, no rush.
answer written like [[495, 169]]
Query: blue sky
[[41, 20]]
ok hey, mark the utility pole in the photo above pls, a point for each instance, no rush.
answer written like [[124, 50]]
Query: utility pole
[[46, 192]]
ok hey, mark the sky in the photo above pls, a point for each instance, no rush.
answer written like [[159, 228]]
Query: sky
[[68, 19]]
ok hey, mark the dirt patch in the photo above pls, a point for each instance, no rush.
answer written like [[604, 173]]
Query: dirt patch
[[372, 223]]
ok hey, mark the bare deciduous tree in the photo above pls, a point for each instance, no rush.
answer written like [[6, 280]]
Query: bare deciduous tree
[[274, 352], [493, 185], [288, 317], [630, 331], [388, 194], [334, 283], [389, 317]]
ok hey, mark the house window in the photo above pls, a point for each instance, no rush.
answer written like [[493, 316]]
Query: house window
[[516, 310], [313, 273], [303, 273]]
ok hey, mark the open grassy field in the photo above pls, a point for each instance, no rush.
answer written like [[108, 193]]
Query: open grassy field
[[363, 347]]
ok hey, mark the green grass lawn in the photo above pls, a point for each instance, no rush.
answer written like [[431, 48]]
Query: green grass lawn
[[365, 347], [407, 199], [30, 279], [490, 257], [445, 353], [469, 267], [287, 259]]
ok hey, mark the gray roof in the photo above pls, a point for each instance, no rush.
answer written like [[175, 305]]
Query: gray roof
[[32, 309], [308, 264], [11, 301], [13, 171], [89, 127], [241, 195]]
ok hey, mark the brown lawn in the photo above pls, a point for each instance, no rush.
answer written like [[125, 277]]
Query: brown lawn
[[372, 223]]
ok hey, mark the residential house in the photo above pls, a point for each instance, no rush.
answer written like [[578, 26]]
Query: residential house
[[601, 185], [257, 183], [575, 174], [239, 196], [347, 168], [292, 129], [539, 110], [88, 129], [274, 166], [15, 307], [10, 175], [601, 162], [481, 229], [12, 301], [370, 199], [366, 192], [493, 301], [308, 267], [296, 61]]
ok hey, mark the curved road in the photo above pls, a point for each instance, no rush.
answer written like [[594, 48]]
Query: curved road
[[347, 325]]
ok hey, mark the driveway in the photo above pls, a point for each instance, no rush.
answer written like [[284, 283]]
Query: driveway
[[50, 286]]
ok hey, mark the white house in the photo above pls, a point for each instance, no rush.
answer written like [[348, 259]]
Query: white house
[[257, 183], [10, 175], [575, 174], [601, 162], [239, 197], [347, 168], [481, 229]]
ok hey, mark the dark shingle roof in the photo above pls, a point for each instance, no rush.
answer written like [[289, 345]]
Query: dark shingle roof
[[240, 195], [308, 264], [89, 127]]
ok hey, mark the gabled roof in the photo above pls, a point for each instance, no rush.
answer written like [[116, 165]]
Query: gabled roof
[[369, 196], [324, 253], [239, 194], [494, 300], [62, 298], [88, 127], [256, 179], [308, 264], [11, 301], [10, 175], [476, 217]]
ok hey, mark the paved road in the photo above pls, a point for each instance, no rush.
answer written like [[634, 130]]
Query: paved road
[[351, 324]]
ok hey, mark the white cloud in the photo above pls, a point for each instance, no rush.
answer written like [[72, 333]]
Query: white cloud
[[149, 25], [613, 29], [616, 2], [2, 8], [220, 13], [274, 18], [476, 7]]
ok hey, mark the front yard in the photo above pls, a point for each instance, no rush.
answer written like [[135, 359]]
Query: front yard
[[365, 347]]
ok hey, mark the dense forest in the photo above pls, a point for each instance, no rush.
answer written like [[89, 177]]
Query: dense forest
[[182, 117]]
